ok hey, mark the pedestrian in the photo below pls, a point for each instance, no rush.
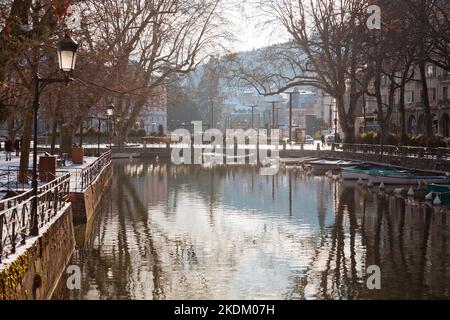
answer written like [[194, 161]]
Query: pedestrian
[[17, 146], [9, 148], [323, 141]]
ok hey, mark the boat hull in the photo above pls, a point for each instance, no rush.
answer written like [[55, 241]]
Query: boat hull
[[323, 166], [354, 176], [408, 180], [442, 190], [355, 173]]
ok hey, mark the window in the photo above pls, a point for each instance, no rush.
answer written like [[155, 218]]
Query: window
[[433, 94], [409, 96], [431, 71]]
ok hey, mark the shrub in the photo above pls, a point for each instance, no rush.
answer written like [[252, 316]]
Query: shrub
[[417, 140], [140, 133], [90, 132], [317, 136], [392, 140], [368, 138], [437, 141]]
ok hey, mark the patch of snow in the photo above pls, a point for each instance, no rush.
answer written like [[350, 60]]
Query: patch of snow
[[30, 241]]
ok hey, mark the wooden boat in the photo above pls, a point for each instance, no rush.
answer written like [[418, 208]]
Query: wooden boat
[[411, 178], [442, 190], [364, 171], [323, 165]]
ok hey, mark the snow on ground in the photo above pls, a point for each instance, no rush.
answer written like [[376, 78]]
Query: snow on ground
[[9, 171], [30, 241]]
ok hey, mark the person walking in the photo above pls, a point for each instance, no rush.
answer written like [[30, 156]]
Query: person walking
[[323, 141], [9, 148], [17, 146]]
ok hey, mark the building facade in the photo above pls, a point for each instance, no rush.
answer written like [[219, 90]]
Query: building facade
[[438, 81], [154, 113]]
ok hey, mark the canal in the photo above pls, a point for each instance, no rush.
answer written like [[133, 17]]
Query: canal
[[186, 232]]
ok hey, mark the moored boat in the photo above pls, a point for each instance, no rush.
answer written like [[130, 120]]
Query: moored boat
[[364, 171], [411, 178], [323, 165], [442, 190]]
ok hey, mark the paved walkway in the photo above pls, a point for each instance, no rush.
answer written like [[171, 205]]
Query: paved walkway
[[8, 171]]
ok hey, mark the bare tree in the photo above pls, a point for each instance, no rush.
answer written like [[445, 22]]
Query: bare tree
[[326, 51], [146, 42], [24, 24]]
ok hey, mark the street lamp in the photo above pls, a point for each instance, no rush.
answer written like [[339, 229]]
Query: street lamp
[[274, 100], [67, 55], [290, 112], [110, 112], [253, 116], [335, 126]]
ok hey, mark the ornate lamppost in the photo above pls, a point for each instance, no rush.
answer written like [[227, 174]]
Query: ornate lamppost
[[67, 54]]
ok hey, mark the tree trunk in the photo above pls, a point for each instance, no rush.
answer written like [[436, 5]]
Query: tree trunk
[[381, 120], [25, 148], [66, 140], [11, 129], [54, 134], [426, 101], [347, 129], [403, 120], [122, 135], [391, 106], [403, 131]]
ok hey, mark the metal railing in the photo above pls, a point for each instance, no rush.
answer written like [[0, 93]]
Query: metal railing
[[9, 178], [16, 213], [395, 151], [83, 178]]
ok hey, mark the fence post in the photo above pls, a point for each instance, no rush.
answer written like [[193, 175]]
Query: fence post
[[55, 201]]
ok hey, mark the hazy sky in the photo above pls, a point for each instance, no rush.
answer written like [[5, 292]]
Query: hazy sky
[[248, 24]]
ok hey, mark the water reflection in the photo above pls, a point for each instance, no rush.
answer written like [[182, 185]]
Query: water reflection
[[180, 232]]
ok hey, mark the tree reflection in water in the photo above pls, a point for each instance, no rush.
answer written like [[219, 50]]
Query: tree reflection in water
[[177, 232]]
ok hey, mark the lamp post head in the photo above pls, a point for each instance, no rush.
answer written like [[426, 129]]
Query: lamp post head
[[67, 54], [110, 109]]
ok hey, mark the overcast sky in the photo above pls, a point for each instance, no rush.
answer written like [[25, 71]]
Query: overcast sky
[[248, 26]]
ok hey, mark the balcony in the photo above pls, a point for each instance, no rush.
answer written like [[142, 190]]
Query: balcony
[[444, 103], [444, 78]]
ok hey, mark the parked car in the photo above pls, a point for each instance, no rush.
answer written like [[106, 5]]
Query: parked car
[[330, 139], [309, 140]]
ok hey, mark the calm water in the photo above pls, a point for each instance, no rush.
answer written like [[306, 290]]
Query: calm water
[[168, 232]]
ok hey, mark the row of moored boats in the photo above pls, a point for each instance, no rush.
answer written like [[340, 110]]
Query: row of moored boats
[[379, 173]]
